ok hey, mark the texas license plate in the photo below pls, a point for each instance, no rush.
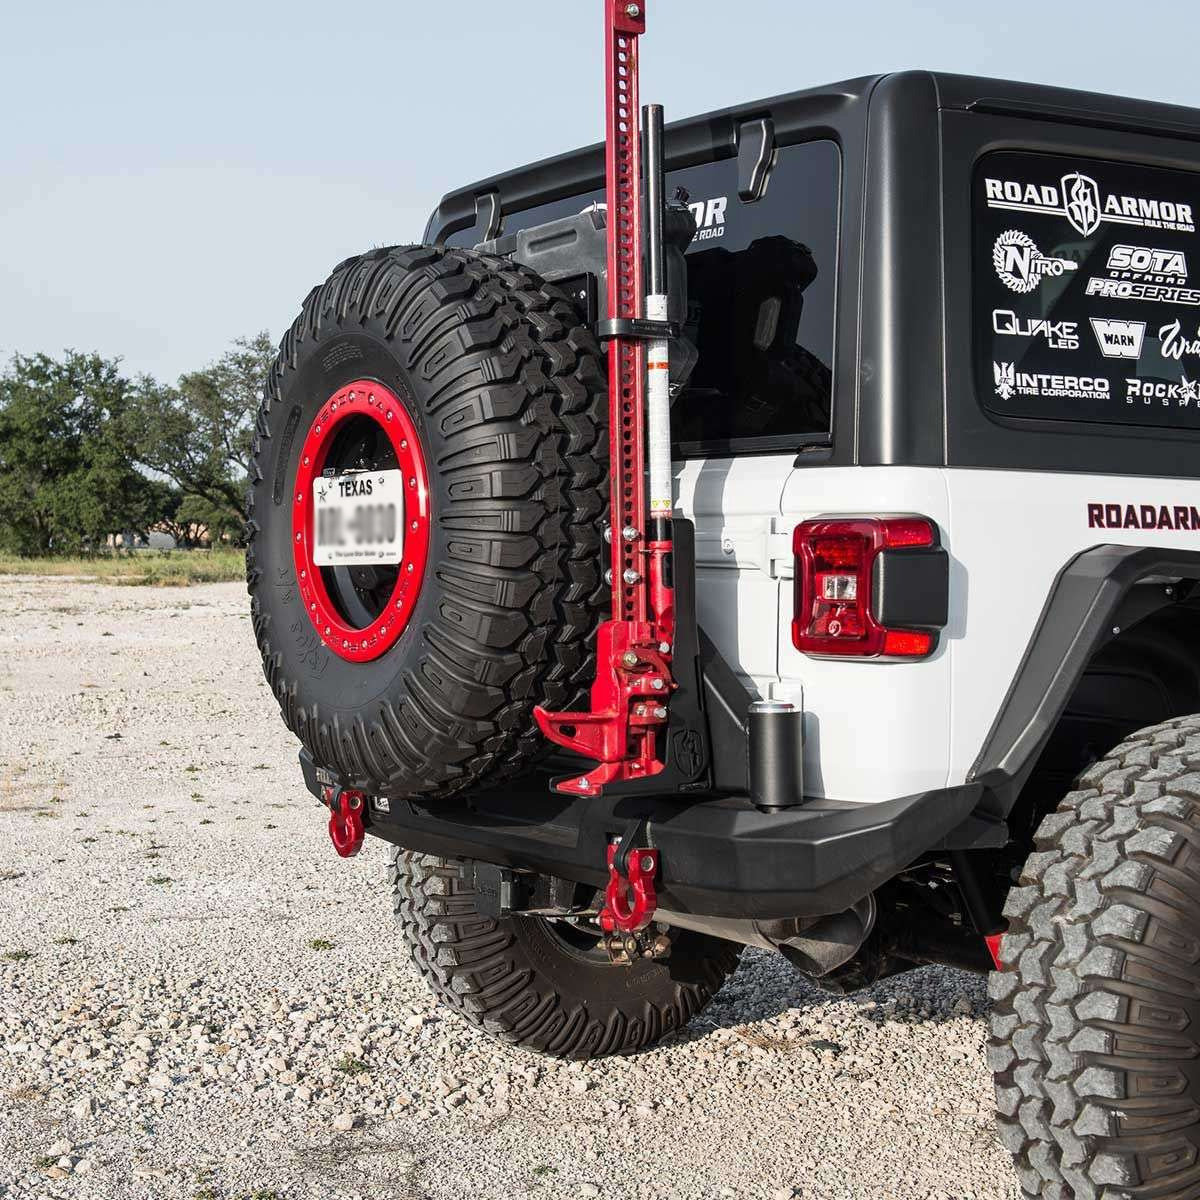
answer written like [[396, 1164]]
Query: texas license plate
[[358, 518]]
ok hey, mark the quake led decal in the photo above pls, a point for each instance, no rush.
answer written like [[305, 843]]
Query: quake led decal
[[1086, 307]]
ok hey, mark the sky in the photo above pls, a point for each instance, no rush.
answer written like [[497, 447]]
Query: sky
[[173, 176]]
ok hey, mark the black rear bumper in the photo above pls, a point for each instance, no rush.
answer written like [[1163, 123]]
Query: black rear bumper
[[718, 857]]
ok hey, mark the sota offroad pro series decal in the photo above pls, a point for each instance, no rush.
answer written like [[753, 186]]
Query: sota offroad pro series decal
[[360, 520], [1085, 308]]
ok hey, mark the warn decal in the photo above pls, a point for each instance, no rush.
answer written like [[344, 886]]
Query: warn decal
[[1144, 516]]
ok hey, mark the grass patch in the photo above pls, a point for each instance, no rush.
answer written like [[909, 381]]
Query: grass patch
[[139, 568], [18, 955], [159, 879], [350, 1065], [66, 940], [320, 944]]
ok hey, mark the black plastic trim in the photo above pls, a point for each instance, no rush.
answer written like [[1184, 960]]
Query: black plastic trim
[[719, 857], [1079, 616], [910, 589], [636, 327]]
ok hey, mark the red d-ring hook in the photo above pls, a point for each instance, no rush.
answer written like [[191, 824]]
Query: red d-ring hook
[[630, 899], [346, 821]]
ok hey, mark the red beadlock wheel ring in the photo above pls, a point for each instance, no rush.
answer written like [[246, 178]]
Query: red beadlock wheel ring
[[375, 401]]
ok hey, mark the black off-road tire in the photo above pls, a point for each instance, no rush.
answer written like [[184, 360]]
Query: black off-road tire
[[520, 981], [1096, 1021], [506, 389]]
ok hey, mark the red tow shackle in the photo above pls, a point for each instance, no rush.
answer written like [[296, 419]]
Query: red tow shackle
[[629, 899], [346, 820]]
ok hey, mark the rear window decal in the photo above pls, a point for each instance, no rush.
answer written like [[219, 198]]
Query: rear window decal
[[1065, 246]]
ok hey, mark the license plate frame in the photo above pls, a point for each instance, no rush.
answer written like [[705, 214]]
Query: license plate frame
[[358, 519]]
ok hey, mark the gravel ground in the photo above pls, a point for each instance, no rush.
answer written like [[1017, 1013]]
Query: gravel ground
[[198, 999]]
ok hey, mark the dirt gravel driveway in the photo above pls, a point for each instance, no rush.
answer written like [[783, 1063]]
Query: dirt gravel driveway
[[198, 999]]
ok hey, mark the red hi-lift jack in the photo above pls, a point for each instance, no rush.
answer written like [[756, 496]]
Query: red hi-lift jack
[[628, 716], [628, 709]]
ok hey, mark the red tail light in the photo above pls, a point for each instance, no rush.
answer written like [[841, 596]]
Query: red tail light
[[838, 587]]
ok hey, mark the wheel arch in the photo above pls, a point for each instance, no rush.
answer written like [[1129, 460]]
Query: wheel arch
[[1113, 611]]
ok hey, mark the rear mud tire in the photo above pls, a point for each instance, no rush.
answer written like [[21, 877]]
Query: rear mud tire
[[519, 981], [1095, 1029], [505, 387]]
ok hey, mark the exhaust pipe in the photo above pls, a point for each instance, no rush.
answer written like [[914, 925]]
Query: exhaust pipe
[[813, 945]]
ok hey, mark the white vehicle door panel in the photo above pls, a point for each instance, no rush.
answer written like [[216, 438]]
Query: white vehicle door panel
[[734, 503]]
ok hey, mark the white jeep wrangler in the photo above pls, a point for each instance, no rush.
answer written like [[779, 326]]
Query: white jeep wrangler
[[931, 689]]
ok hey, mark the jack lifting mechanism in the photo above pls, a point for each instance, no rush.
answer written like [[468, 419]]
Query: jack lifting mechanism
[[628, 713]]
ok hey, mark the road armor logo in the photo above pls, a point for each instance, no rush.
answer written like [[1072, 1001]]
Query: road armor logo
[[1081, 201], [710, 218], [1078, 198], [1144, 516], [1021, 266]]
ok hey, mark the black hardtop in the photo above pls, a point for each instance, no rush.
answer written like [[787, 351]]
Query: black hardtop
[[834, 110], [904, 385]]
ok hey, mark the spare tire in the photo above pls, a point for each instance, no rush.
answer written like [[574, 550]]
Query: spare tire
[[457, 405]]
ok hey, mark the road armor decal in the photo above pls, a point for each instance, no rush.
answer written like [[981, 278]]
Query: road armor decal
[[1073, 265]]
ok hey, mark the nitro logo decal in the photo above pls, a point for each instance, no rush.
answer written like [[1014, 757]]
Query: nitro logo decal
[[1182, 394], [1119, 339], [1143, 516], [1079, 199], [1021, 266], [710, 218], [1174, 344], [1059, 335], [1011, 382]]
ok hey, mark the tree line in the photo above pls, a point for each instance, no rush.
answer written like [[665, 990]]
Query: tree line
[[87, 452]]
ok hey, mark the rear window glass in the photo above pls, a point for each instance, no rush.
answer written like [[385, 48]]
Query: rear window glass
[[1085, 305], [761, 288]]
